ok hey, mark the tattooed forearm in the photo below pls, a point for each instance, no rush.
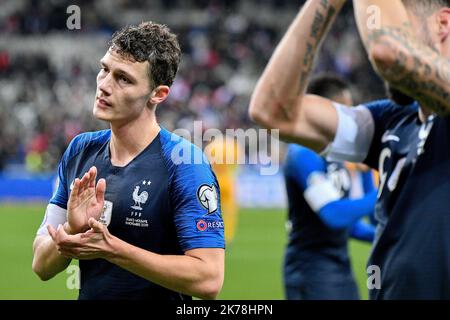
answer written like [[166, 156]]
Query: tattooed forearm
[[322, 20], [280, 91], [417, 70], [317, 26]]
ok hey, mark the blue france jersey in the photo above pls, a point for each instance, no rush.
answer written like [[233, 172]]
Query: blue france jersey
[[314, 250], [412, 244], [166, 200]]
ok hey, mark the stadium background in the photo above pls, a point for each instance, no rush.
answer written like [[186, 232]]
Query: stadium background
[[47, 85]]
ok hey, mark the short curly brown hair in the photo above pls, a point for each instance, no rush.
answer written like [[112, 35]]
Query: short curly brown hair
[[425, 7], [150, 42]]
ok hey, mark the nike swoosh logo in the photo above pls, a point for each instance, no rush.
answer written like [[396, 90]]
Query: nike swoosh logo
[[389, 137]]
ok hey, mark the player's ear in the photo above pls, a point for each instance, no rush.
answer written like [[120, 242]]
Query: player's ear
[[159, 94], [443, 18]]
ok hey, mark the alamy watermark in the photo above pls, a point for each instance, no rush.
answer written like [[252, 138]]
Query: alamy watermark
[[374, 17], [73, 279], [374, 277], [73, 22], [252, 146]]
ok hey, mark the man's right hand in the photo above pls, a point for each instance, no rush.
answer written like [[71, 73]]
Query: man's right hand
[[86, 200]]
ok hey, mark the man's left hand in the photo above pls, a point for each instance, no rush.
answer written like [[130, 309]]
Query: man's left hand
[[96, 243]]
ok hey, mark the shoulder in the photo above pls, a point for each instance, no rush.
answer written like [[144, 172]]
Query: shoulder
[[180, 154], [382, 108], [86, 140]]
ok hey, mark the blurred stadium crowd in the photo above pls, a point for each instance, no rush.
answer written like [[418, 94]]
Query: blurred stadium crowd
[[47, 72]]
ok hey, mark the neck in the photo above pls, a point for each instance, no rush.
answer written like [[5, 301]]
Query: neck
[[130, 139]]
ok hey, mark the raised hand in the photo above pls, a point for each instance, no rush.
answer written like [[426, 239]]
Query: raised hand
[[86, 201]]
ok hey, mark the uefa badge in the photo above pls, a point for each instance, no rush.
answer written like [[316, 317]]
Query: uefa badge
[[207, 195]]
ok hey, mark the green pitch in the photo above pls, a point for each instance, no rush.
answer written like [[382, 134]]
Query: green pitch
[[253, 261]]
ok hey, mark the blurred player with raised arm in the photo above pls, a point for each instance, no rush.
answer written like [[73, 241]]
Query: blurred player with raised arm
[[322, 216], [409, 46], [134, 204]]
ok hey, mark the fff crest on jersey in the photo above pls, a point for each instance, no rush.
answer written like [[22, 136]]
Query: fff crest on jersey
[[140, 197], [207, 195]]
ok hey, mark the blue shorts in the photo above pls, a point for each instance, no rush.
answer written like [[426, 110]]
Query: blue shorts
[[314, 289]]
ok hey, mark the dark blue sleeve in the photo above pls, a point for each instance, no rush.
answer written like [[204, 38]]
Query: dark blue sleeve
[[61, 195], [195, 198], [362, 230], [301, 162]]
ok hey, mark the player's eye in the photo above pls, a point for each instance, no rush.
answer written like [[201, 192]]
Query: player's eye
[[124, 79]]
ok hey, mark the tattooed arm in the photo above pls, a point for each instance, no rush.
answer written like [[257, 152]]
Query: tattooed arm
[[399, 56], [279, 100]]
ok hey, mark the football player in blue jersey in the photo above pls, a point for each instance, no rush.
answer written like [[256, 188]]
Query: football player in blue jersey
[[138, 206], [408, 43], [322, 216]]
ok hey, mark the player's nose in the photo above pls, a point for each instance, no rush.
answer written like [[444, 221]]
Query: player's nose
[[105, 85]]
